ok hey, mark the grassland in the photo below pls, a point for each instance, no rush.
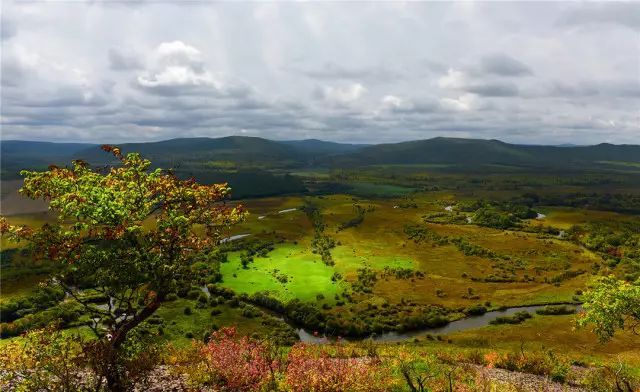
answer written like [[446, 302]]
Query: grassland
[[303, 275], [531, 262], [380, 242], [556, 333]]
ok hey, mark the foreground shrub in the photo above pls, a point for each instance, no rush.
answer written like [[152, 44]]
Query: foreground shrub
[[442, 372], [539, 363], [45, 360], [237, 364], [314, 368], [132, 365], [613, 378]]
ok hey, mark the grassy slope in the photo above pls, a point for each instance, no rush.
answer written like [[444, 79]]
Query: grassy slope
[[552, 332]]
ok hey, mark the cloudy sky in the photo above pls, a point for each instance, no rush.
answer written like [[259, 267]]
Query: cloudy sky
[[545, 73]]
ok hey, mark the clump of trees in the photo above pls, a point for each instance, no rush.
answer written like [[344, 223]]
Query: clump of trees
[[321, 242], [401, 273], [517, 318], [556, 310], [356, 220], [366, 280]]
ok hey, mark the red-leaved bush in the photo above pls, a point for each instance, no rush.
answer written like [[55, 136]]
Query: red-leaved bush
[[312, 368], [237, 364]]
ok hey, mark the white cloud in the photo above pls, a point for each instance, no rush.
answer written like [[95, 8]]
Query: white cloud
[[462, 103], [173, 76], [177, 65], [454, 79], [391, 101], [341, 95]]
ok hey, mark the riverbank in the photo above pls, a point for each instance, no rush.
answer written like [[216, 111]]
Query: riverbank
[[462, 324]]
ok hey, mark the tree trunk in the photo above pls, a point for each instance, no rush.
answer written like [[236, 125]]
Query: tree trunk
[[115, 372], [120, 334], [115, 382]]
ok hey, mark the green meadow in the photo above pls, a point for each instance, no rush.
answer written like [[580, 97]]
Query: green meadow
[[306, 276]]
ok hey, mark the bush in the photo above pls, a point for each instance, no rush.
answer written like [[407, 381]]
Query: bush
[[44, 297], [554, 310], [476, 310], [313, 368], [250, 312], [202, 298], [62, 314], [517, 318], [43, 360], [171, 297], [612, 379], [188, 311], [194, 293], [236, 364]]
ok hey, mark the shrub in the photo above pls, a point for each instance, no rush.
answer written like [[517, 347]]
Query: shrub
[[44, 360], [475, 310], [313, 368], [236, 364], [194, 293], [250, 312], [517, 318], [554, 310], [188, 311], [171, 297], [612, 379], [202, 298]]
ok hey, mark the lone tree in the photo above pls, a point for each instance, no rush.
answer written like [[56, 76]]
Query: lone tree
[[611, 305], [130, 232]]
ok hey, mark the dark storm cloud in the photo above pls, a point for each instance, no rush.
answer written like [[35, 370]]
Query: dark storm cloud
[[625, 14], [495, 89], [119, 61], [7, 29], [629, 88], [331, 70], [503, 65]]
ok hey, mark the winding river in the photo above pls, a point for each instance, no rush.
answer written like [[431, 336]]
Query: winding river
[[463, 324]]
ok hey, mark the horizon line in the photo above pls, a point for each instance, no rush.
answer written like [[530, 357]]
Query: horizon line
[[565, 144]]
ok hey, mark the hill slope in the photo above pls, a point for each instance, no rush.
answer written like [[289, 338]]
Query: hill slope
[[254, 152], [470, 152]]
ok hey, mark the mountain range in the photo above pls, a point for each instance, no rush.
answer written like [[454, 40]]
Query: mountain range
[[254, 152]]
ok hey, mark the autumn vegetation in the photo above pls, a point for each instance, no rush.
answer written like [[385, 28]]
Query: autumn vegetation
[[136, 253]]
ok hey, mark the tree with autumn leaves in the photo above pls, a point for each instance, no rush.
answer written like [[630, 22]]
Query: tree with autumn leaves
[[612, 305], [130, 233]]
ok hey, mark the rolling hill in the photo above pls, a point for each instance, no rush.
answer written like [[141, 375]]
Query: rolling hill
[[474, 152], [237, 152]]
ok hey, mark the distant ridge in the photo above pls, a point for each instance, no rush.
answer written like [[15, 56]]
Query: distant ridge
[[269, 154], [442, 150]]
